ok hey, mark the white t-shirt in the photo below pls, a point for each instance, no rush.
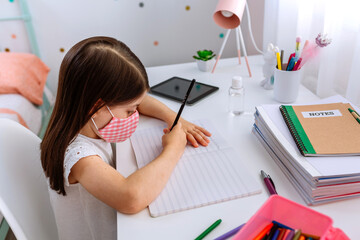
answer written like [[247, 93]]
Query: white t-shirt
[[79, 215]]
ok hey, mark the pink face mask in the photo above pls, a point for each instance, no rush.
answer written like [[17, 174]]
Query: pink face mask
[[118, 130]]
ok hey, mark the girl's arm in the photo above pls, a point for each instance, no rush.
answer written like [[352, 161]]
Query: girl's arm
[[134, 193], [153, 108]]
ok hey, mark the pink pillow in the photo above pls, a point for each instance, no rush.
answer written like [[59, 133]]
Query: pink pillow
[[23, 73]]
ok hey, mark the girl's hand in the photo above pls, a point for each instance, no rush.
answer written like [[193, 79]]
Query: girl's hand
[[195, 134], [175, 139]]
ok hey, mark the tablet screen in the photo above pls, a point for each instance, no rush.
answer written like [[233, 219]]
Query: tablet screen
[[175, 88]]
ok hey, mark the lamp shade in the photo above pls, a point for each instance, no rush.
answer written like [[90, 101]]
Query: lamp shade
[[228, 13]]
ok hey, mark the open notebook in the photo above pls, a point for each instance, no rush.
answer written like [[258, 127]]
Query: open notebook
[[203, 176]]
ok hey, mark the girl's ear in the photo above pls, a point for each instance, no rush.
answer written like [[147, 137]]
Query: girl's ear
[[99, 103]]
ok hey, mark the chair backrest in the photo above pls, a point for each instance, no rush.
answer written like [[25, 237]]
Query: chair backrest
[[24, 197]]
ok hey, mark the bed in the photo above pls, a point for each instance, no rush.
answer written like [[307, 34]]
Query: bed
[[24, 96], [16, 107]]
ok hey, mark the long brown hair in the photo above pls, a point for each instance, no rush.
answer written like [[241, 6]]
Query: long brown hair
[[95, 68]]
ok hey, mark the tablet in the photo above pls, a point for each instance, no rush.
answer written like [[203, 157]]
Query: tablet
[[175, 88]]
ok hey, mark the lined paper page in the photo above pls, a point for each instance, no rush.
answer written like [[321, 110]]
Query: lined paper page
[[203, 175]]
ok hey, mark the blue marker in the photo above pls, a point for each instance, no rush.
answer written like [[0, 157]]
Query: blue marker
[[277, 232], [291, 64], [281, 225]]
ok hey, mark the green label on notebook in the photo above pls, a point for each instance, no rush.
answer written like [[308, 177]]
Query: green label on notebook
[[297, 130]]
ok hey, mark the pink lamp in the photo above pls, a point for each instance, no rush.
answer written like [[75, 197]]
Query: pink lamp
[[228, 14]]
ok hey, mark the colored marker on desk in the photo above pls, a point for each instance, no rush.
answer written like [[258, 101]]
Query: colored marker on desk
[[271, 233], [208, 230], [268, 182], [276, 234], [264, 232], [310, 236], [286, 234], [281, 225], [229, 233], [354, 114], [357, 113], [291, 235], [282, 233], [297, 235]]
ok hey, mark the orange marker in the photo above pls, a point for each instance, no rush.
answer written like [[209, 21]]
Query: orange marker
[[306, 235], [264, 232]]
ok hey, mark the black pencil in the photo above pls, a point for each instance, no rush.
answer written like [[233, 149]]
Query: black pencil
[[183, 104]]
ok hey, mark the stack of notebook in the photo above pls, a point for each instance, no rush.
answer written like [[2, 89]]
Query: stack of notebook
[[324, 165]]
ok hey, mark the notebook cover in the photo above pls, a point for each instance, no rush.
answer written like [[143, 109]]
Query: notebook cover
[[323, 129]]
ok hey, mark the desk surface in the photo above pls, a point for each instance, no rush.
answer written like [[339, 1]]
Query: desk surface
[[189, 224]]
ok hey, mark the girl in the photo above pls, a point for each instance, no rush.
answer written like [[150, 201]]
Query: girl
[[102, 89]]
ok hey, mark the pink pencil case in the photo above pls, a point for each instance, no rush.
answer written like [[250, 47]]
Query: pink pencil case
[[293, 215]]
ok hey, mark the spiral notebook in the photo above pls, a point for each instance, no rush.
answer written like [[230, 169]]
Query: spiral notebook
[[203, 175], [323, 129]]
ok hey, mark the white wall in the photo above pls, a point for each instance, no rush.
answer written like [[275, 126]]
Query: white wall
[[179, 27]]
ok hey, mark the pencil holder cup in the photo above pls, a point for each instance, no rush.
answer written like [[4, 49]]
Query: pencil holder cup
[[286, 85]]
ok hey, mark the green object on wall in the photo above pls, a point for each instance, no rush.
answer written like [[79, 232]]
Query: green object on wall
[[26, 17]]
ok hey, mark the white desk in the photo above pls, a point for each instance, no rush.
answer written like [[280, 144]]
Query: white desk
[[189, 224]]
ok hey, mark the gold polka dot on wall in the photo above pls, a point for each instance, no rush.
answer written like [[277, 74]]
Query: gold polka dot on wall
[[156, 43], [62, 50], [187, 8], [13, 36], [7, 50]]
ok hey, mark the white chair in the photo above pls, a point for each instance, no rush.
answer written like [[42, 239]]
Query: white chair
[[24, 197]]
